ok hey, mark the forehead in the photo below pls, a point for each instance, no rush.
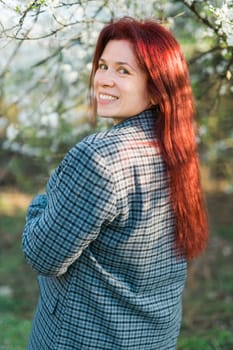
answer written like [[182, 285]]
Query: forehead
[[119, 51]]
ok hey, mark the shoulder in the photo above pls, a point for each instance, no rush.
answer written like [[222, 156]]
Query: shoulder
[[91, 152], [99, 144], [83, 164]]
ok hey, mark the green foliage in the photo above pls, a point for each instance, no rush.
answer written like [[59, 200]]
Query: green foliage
[[17, 9], [32, 6]]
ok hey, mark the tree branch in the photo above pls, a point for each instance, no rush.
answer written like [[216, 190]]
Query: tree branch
[[202, 54], [204, 20]]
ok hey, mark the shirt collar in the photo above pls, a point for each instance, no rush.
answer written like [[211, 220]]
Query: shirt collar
[[145, 119]]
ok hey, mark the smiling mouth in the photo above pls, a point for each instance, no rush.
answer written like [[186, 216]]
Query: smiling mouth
[[105, 97]]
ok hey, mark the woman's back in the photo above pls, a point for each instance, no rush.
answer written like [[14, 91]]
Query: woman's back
[[124, 290]]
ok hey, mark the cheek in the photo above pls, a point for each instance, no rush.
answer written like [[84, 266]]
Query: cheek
[[146, 93], [143, 95], [95, 81], [141, 89]]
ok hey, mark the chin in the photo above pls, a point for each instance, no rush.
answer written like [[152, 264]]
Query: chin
[[105, 114]]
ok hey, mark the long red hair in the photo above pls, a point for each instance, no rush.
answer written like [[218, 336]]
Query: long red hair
[[160, 56]]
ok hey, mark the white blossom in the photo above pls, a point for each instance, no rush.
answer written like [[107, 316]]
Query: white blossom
[[11, 132], [3, 123], [224, 20], [50, 120]]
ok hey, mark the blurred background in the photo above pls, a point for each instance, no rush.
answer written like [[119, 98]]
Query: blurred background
[[46, 54]]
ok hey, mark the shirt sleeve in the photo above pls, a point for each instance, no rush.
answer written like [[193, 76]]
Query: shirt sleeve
[[80, 198]]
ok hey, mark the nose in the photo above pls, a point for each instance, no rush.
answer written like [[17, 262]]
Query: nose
[[105, 78]]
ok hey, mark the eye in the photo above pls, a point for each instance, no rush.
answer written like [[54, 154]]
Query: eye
[[123, 70], [102, 66]]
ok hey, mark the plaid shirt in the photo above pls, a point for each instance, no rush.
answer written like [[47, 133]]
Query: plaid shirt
[[102, 241]]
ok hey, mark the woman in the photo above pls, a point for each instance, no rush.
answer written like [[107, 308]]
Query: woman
[[123, 212]]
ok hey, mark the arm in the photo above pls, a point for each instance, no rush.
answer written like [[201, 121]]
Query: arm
[[80, 197]]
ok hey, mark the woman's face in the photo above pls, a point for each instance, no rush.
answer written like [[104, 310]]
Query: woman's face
[[120, 85]]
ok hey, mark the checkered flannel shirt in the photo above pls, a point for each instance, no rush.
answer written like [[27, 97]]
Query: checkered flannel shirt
[[102, 242]]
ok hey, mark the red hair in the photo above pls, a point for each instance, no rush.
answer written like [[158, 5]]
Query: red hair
[[160, 56]]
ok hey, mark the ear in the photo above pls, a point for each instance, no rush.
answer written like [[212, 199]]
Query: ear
[[153, 102]]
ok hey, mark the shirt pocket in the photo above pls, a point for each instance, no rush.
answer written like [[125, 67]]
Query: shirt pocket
[[48, 318], [49, 295]]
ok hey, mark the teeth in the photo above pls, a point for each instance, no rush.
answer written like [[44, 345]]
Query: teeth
[[107, 97]]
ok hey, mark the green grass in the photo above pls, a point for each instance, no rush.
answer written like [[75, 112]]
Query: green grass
[[208, 302], [14, 332], [216, 339], [18, 286]]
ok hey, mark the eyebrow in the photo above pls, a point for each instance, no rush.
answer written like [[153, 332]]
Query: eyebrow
[[119, 63]]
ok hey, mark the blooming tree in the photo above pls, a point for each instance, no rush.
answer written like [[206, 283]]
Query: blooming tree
[[48, 47], [212, 77]]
